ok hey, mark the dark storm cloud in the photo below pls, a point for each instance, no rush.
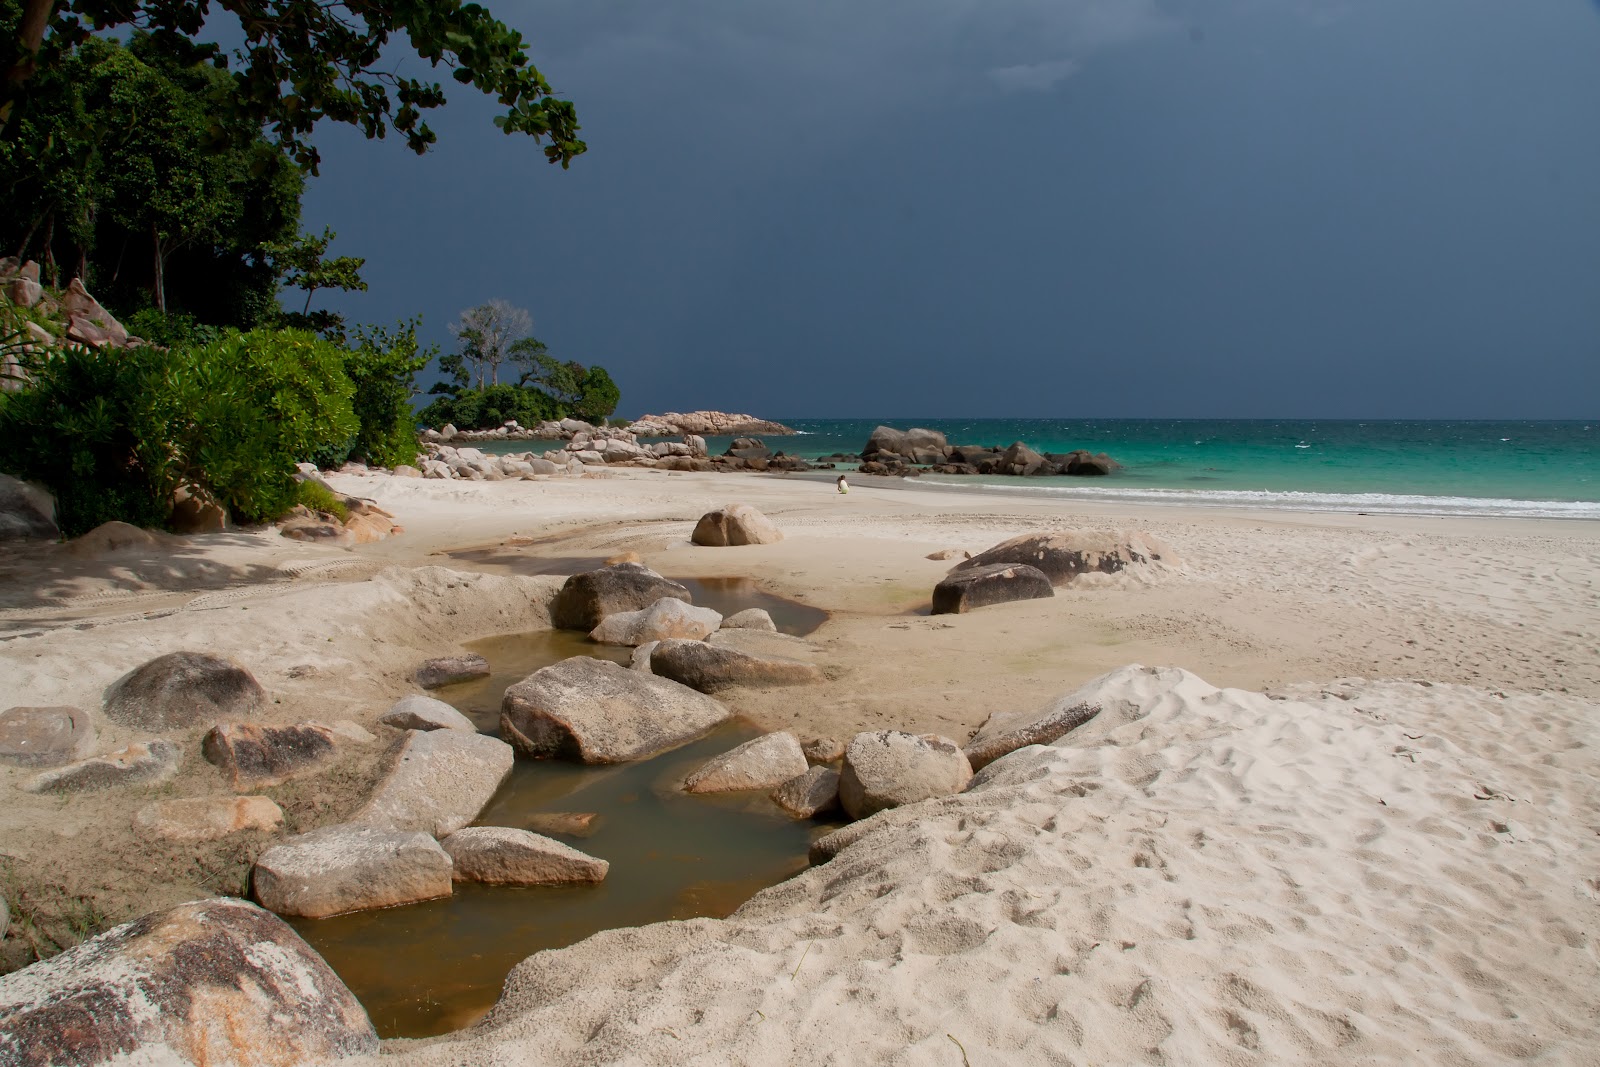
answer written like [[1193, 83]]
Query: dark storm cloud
[[1228, 207]]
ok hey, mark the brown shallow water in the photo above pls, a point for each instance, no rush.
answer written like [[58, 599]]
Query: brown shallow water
[[430, 968]]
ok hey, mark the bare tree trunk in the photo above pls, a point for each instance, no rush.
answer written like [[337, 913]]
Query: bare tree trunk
[[30, 35], [27, 238], [53, 272], [160, 269]]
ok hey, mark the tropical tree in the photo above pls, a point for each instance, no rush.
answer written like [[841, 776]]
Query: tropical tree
[[302, 61], [598, 396], [300, 263], [492, 334]]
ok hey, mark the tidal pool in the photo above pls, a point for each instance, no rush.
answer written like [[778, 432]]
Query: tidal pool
[[430, 968]]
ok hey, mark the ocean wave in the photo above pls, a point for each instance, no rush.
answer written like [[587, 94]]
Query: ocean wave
[[1371, 503]]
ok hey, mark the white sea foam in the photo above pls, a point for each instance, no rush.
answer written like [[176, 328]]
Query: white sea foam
[[1371, 503]]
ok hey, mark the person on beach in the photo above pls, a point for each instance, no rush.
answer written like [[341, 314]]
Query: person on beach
[[844, 486]]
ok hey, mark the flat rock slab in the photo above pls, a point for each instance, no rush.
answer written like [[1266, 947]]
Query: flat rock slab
[[215, 982], [981, 587], [347, 868], [712, 668], [207, 818], [570, 823], [889, 768], [45, 737], [750, 619], [667, 617], [1004, 733], [809, 794], [438, 781], [587, 598], [736, 524], [764, 643], [766, 761], [138, 764], [596, 711], [502, 855], [1065, 554], [446, 670], [254, 755], [182, 690], [417, 712]]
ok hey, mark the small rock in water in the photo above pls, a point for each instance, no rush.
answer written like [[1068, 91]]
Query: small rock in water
[[750, 619], [44, 737], [808, 794], [571, 823], [138, 764], [345, 868], [417, 712], [502, 855], [447, 669], [586, 599], [759, 764], [889, 768], [710, 668], [667, 617], [823, 750], [438, 781]]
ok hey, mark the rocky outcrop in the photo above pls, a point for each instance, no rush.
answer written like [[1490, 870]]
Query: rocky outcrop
[[87, 322], [182, 690], [712, 668], [1003, 733], [704, 423], [341, 869], [809, 794], [736, 524], [667, 617], [25, 512], [596, 711], [500, 855], [762, 763], [889, 768], [255, 755], [1064, 554], [916, 445], [207, 818], [980, 587], [144, 763], [45, 737], [750, 619], [417, 712], [214, 982], [447, 670], [438, 781], [587, 598]]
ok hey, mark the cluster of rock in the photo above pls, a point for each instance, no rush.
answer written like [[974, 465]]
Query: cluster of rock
[[511, 430], [81, 320], [705, 424], [901, 452], [596, 448], [1031, 566]]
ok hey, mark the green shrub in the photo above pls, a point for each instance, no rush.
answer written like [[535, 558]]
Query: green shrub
[[319, 497], [382, 367], [170, 329], [492, 407]]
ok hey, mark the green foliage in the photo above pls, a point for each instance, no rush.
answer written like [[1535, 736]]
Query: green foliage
[[173, 329], [114, 433], [491, 407], [599, 396], [319, 497], [302, 61], [382, 367], [300, 263]]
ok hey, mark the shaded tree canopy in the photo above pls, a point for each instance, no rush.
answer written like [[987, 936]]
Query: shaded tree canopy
[[303, 61]]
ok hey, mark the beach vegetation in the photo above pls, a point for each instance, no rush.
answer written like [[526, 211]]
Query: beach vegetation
[[303, 263], [382, 367], [318, 497]]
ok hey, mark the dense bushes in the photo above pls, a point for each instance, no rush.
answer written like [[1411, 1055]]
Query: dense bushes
[[492, 406], [114, 433]]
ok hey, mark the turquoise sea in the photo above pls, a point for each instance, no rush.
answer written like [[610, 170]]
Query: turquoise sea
[[1535, 469]]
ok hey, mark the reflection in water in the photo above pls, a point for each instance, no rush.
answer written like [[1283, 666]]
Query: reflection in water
[[430, 968]]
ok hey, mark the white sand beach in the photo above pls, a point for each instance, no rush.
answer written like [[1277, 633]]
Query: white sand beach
[[1344, 812]]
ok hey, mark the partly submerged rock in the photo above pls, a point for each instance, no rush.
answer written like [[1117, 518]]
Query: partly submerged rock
[[1003, 733], [750, 619], [502, 855], [214, 982], [640, 660], [762, 763], [810, 793], [445, 670], [667, 617], [139, 764], [600, 712], [1064, 554], [1000, 583], [45, 737], [346, 868], [736, 524], [711, 668], [182, 690], [571, 823], [889, 768], [417, 712], [438, 781], [587, 598], [207, 818]]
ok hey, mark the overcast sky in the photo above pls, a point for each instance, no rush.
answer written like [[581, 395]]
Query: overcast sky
[[1075, 208]]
